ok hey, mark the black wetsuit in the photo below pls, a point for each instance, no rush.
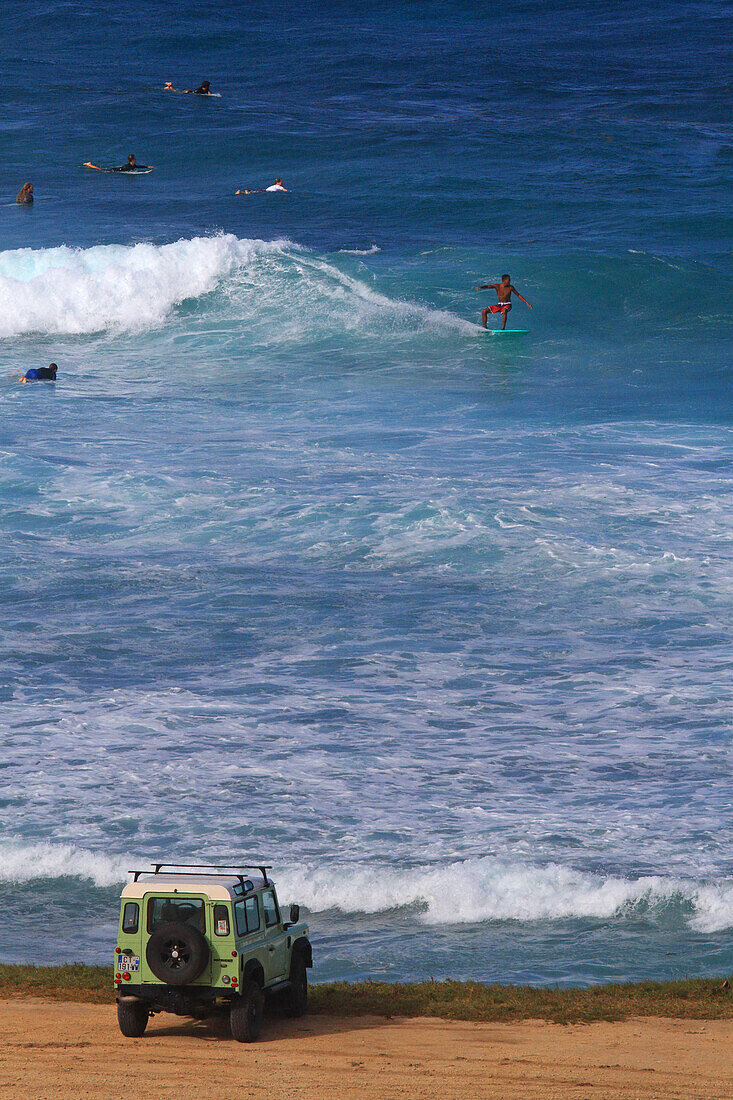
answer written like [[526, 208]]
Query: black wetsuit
[[41, 374], [128, 167], [202, 90]]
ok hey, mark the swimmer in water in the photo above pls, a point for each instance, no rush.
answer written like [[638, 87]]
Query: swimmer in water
[[276, 186], [131, 165], [504, 291], [40, 374], [25, 195]]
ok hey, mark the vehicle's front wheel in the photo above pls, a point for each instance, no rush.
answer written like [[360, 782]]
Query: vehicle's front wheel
[[297, 995], [132, 1017], [246, 1013]]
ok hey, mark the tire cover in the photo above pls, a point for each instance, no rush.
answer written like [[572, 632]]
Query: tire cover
[[177, 953]]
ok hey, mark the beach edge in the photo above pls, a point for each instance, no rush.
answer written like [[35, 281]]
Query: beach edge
[[685, 998]]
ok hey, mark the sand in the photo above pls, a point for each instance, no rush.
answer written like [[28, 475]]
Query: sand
[[55, 1049]]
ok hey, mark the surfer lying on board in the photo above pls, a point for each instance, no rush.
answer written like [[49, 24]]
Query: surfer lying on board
[[40, 374], [276, 186], [131, 166], [504, 293], [204, 88]]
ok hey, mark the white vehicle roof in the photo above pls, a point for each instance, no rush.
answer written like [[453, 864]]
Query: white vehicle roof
[[216, 887]]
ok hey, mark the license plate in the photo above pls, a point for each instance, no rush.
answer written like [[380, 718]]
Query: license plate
[[128, 962]]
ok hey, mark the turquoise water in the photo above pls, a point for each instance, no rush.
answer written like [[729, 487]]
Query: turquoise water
[[299, 564]]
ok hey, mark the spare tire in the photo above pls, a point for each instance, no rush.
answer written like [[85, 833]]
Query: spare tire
[[177, 953]]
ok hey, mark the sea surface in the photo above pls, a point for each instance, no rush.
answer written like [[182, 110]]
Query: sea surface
[[296, 562]]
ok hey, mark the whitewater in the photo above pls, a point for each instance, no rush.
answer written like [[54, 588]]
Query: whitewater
[[298, 564]]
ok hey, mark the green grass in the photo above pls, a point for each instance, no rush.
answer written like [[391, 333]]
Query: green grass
[[692, 998]]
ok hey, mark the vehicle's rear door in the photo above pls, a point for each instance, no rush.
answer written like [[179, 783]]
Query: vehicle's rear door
[[159, 909]]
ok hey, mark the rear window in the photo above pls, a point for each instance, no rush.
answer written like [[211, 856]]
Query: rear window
[[130, 916], [175, 911], [221, 920]]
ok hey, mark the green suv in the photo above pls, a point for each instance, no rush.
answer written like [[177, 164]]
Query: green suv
[[200, 940]]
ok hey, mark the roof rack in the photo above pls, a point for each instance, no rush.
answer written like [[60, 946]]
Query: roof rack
[[193, 869]]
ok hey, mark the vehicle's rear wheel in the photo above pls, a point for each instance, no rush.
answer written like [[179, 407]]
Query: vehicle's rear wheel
[[132, 1017], [246, 1013], [297, 995]]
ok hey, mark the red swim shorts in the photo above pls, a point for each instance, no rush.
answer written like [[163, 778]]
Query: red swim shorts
[[502, 307]]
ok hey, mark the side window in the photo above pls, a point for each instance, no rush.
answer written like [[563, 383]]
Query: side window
[[221, 920], [269, 905], [247, 916], [253, 914], [130, 916]]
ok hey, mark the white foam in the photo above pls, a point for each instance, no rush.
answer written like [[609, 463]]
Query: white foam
[[463, 892], [486, 889], [713, 908], [132, 288], [118, 287], [27, 862], [360, 251]]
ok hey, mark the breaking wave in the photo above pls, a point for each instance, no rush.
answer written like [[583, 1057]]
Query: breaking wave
[[477, 890], [465, 892], [28, 862], [134, 288], [118, 287]]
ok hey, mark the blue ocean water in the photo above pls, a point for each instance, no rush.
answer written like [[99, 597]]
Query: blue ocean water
[[299, 564]]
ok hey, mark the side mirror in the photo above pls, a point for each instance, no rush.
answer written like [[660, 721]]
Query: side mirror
[[294, 914]]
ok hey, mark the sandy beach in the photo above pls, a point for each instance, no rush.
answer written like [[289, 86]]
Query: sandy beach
[[59, 1050]]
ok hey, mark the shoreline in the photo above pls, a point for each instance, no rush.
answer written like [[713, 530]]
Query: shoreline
[[686, 999]]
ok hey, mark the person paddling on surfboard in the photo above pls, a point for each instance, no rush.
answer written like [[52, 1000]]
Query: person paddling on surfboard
[[278, 185], [40, 374], [131, 166], [504, 293], [204, 88]]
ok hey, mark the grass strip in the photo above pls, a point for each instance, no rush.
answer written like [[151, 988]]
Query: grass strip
[[691, 998]]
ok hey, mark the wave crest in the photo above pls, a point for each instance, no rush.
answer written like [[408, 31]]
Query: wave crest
[[29, 862], [132, 288], [465, 892], [117, 287], [477, 890]]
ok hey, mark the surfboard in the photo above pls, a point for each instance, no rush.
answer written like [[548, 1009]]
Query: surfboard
[[131, 172], [507, 331], [181, 91]]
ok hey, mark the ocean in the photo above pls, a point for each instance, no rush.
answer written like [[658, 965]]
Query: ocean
[[296, 562]]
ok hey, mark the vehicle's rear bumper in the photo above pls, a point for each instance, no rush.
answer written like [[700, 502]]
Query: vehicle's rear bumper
[[185, 1000]]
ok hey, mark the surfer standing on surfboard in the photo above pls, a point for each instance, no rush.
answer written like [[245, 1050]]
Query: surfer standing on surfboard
[[131, 166], [504, 293]]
